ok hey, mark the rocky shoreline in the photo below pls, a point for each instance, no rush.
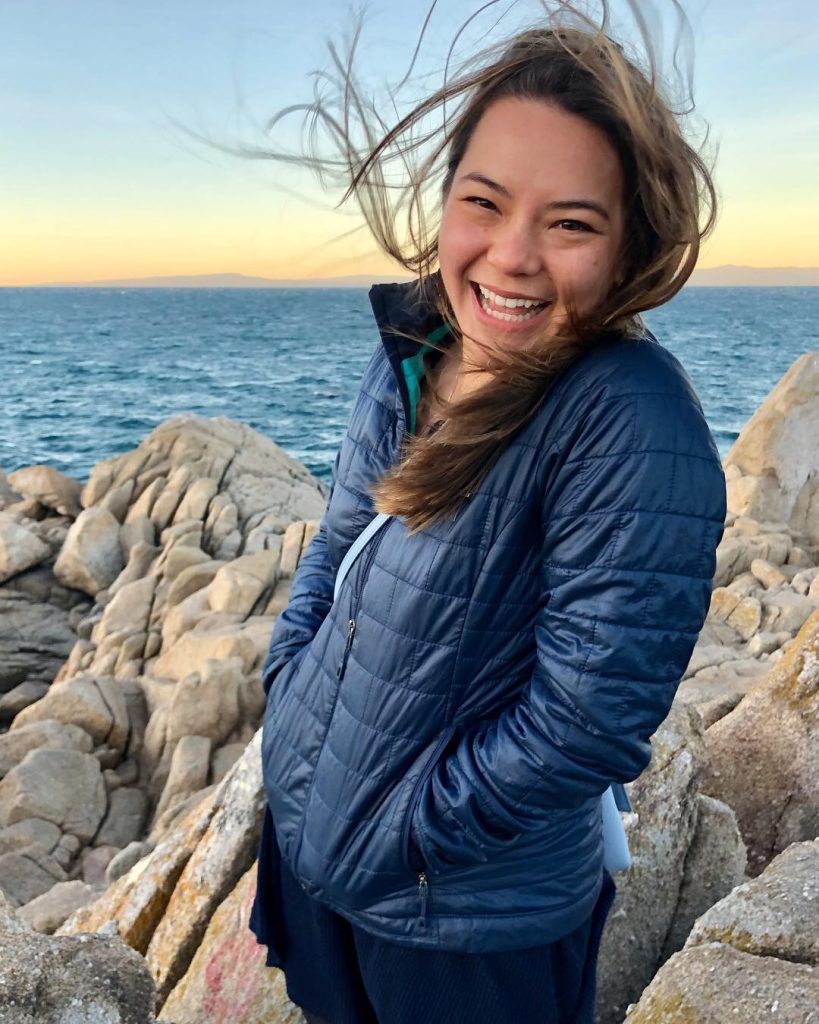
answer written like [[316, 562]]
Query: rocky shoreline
[[135, 613]]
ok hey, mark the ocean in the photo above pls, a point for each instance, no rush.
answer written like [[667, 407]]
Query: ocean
[[88, 373]]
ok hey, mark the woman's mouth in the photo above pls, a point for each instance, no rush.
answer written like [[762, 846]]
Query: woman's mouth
[[507, 310]]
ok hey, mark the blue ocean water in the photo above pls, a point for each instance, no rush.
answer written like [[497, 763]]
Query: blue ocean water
[[87, 373]]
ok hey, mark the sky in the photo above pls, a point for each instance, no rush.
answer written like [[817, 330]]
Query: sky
[[99, 178]]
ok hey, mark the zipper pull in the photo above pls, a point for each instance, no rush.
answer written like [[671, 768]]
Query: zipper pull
[[349, 644], [423, 895]]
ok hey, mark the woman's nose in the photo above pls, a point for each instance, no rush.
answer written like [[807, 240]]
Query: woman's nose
[[513, 249]]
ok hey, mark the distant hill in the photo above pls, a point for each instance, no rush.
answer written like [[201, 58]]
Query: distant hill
[[728, 276], [732, 276], [231, 281]]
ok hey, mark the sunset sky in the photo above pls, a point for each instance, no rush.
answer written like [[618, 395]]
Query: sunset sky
[[97, 182]]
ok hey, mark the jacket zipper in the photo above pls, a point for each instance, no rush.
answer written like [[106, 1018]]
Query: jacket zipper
[[415, 796], [372, 547]]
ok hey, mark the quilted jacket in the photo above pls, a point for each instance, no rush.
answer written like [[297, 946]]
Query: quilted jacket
[[437, 739]]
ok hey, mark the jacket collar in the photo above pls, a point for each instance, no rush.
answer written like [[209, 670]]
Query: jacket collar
[[407, 308]]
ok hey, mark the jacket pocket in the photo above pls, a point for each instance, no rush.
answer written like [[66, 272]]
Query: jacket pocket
[[415, 796]]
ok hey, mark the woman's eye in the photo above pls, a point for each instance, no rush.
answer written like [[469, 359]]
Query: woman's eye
[[480, 201], [573, 225]]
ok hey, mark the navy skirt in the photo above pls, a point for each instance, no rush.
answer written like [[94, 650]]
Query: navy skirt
[[343, 975]]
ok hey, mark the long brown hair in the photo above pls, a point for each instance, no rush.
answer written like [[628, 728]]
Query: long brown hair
[[669, 202]]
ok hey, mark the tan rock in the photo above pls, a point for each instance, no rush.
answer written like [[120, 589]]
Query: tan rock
[[51, 488], [239, 584], [178, 559], [206, 704], [714, 866], [91, 558], [61, 786], [27, 874], [192, 578], [723, 602], [223, 759], [665, 799], [291, 549], [19, 697], [183, 617], [124, 821], [47, 912], [95, 704], [128, 610], [195, 647], [118, 499], [224, 854], [137, 901], [227, 979], [774, 915], [764, 756], [746, 617], [716, 984], [20, 549], [30, 832], [194, 504], [776, 453], [785, 611], [15, 745], [131, 532], [189, 769], [768, 574]]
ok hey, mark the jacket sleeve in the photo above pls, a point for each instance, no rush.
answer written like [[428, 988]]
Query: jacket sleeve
[[311, 597], [633, 510]]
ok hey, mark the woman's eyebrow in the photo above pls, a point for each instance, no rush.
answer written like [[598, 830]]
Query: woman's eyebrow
[[560, 204]]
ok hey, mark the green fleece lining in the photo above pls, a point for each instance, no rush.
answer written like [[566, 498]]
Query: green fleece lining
[[413, 370]]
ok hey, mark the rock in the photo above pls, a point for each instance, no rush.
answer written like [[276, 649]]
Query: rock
[[20, 549], [708, 655], [86, 980], [774, 915], [15, 745], [177, 810], [29, 832], [238, 585], [117, 500], [13, 702], [714, 865], [137, 901], [128, 611], [47, 912], [194, 505], [716, 691], [189, 770], [194, 649], [51, 488], [95, 704], [122, 862], [141, 558], [224, 759], [785, 611], [746, 617], [227, 978], [125, 820], [35, 640], [178, 559], [61, 786], [291, 550], [26, 874], [763, 757], [94, 865], [766, 643], [223, 855], [767, 574], [91, 558], [183, 617], [665, 800], [206, 704], [192, 578], [775, 454], [9, 921], [723, 602], [716, 984]]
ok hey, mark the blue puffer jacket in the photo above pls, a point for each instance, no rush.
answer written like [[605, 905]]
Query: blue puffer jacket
[[436, 741]]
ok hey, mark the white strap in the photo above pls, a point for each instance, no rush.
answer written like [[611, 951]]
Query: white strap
[[358, 545], [616, 855]]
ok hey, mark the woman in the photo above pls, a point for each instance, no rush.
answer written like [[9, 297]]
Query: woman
[[437, 739]]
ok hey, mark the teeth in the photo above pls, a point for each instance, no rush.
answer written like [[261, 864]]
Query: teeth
[[488, 296]]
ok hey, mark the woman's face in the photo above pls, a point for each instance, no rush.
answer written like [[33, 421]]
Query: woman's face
[[534, 215]]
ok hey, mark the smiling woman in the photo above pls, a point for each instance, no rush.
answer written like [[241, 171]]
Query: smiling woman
[[442, 724]]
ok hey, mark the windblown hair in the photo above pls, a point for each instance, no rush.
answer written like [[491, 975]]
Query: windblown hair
[[669, 203]]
